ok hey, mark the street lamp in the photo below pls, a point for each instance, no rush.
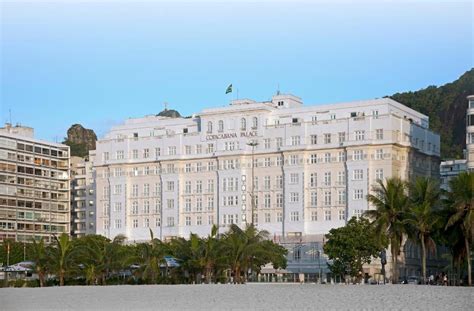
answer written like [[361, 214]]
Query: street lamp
[[253, 144]]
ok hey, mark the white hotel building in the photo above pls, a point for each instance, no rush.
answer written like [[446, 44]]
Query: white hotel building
[[313, 167]]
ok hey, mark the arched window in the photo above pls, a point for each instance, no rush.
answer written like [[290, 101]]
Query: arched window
[[243, 124], [209, 127], [221, 126], [254, 122]]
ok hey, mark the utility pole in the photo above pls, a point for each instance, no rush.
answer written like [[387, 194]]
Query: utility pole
[[253, 144]]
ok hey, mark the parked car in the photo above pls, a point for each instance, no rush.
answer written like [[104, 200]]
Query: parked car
[[414, 280]]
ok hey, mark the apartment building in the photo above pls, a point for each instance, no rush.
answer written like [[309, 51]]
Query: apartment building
[[294, 170], [83, 196], [34, 186]]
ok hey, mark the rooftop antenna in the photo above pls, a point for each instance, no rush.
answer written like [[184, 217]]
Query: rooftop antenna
[[278, 88], [166, 105], [10, 112]]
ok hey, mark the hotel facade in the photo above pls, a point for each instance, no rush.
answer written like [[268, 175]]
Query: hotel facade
[[296, 171], [34, 186]]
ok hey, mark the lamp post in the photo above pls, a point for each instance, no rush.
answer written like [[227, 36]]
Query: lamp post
[[253, 144]]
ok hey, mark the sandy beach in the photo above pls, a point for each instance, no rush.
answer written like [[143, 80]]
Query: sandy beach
[[239, 297]]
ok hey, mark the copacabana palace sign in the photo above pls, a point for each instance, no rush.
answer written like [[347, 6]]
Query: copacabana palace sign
[[231, 135]]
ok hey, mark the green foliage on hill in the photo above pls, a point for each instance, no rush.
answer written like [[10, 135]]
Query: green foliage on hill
[[77, 149], [446, 106]]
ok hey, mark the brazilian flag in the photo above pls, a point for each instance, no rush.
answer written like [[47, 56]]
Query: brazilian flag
[[229, 89]]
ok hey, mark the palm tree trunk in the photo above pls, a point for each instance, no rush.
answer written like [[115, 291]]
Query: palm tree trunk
[[423, 260], [41, 278], [468, 257], [61, 278], [394, 264]]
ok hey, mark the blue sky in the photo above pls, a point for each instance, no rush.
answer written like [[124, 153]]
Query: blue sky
[[98, 63]]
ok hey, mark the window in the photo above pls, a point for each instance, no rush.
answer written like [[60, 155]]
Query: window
[[266, 183], [279, 142], [294, 159], [134, 190], [210, 185], [314, 139], [357, 213], [341, 197], [327, 215], [187, 187], [118, 189], [119, 155], [358, 194], [294, 178], [254, 123], [146, 207], [359, 135], [170, 221], [379, 174], [294, 216], [379, 154], [146, 190], [198, 149], [333, 116], [357, 155], [210, 220], [267, 217], [314, 120], [134, 154], [243, 124], [279, 200], [209, 127], [170, 203], [341, 157], [170, 185], [267, 201], [294, 197], [105, 156], [146, 153], [279, 217], [313, 180], [279, 181], [199, 205], [187, 205], [199, 186], [187, 150], [158, 222], [342, 137], [157, 152], [187, 221], [220, 127], [210, 148], [295, 140], [210, 203], [327, 138], [341, 178], [327, 198], [379, 134], [106, 224], [327, 178], [314, 215], [342, 215], [266, 162], [118, 223], [314, 158], [172, 150], [327, 157], [358, 174], [266, 143], [199, 220], [314, 199], [279, 161]]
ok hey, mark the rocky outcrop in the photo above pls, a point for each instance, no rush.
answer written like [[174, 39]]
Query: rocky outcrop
[[170, 113], [81, 140]]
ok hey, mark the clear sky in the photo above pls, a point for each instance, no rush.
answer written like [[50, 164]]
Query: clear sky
[[98, 63]]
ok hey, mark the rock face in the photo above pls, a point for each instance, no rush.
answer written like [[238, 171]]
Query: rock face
[[81, 140], [170, 113]]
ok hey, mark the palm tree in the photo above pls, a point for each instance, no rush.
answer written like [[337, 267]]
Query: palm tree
[[241, 247], [461, 199], [422, 218], [150, 256], [390, 202], [39, 256], [62, 257], [211, 256]]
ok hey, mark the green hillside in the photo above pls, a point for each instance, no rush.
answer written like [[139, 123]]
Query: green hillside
[[446, 106]]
